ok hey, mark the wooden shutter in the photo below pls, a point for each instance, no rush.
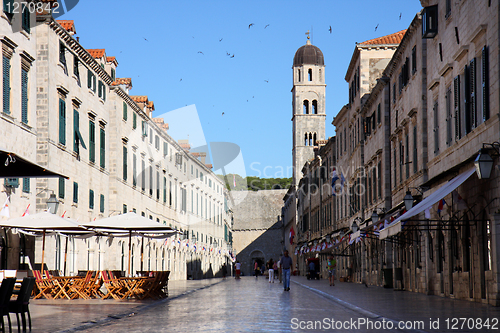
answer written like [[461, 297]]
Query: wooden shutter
[[61, 187], [75, 192], [101, 203], [26, 18], [103, 147], [485, 84], [125, 115], [472, 91], [456, 103], [76, 130], [125, 169], [62, 121], [89, 79], [91, 199], [6, 84], [24, 96], [92, 141], [436, 128]]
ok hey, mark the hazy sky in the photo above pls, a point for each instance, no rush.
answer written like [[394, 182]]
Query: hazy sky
[[203, 53]]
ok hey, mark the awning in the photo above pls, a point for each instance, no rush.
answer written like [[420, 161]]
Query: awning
[[439, 194], [14, 166]]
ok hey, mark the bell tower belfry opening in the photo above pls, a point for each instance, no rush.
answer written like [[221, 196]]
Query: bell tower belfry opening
[[308, 104]]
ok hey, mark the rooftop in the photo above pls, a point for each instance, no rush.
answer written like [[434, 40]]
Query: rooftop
[[394, 38]]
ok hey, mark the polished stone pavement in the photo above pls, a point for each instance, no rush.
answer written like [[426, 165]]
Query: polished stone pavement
[[254, 305]]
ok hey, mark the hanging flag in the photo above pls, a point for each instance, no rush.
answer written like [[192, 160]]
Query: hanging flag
[[461, 204], [234, 181], [334, 179], [26, 212], [5, 209], [63, 214], [342, 182], [427, 213], [441, 205], [292, 235]]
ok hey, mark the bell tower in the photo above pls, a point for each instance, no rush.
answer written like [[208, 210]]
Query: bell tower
[[308, 104]]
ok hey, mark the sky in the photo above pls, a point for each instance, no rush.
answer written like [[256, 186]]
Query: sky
[[227, 65]]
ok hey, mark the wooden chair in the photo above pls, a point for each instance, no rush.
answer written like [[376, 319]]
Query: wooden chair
[[113, 286], [20, 306], [45, 287], [79, 288], [5, 293]]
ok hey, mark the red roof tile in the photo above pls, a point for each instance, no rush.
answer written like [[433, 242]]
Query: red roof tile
[[97, 53], [68, 25], [110, 59], [151, 105], [394, 38], [185, 146], [140, 99], [209, 166], [127, 81]]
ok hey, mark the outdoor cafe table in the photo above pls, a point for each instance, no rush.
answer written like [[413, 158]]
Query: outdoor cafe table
[[65, 285], [134, 285]]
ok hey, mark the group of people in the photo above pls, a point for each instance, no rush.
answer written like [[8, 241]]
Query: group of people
[[284, 265]]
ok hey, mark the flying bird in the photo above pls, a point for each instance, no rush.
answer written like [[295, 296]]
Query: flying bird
[[145, 39], [220, 40], [200, 52], [250, 25], [232, 56], [222, 113], [267, 81], [266, 26], [181, 80], [330, 29], [376, 27], [228, 54], [400, 16]]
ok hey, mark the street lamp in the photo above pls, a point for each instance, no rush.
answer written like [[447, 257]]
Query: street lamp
[[354, 226], [484, 164], [408, 199], [53, 204], [374, 216]]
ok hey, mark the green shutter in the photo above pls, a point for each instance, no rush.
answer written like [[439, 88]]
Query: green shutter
[[91, 199], [134, 120], [91, 141], [26, 185], [26, 18], [6, 85], [8, 6], [125, 163], [24, 96], [89, 79], [76, 129], [75, 192], [103, 147], [125, 116], [101, 203], [61, 187], [94, 86], [62, 121]]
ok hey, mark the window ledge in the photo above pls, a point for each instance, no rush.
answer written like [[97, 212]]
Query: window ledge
[[7, 117], [25, 34], [63, 67]]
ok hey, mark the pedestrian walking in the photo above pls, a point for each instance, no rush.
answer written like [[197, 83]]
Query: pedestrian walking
[[286, 265], [256, 269], [224, 271], [276, 270], [331, 265], [237, 267], [270, 268]]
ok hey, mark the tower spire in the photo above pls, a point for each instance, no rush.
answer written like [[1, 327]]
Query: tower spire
[[308, 38]]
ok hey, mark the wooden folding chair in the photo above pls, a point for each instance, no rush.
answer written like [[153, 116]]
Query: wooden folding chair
[[79, 288], [45, 288], [113, 286]]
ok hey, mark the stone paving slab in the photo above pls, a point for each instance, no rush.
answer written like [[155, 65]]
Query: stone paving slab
[[77, 315]]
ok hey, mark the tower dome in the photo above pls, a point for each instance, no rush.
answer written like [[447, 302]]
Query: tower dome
[[308, 54]]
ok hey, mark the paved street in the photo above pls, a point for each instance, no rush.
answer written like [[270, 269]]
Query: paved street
[[254, 305]]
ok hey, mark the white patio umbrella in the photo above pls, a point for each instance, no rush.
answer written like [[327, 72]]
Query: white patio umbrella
[[129, 222], [44, 222]]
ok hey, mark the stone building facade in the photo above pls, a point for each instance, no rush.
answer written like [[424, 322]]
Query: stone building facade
[[258, 227], [424, 220], [82, 122]]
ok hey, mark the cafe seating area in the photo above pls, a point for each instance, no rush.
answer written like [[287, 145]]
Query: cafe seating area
[[101, 284]]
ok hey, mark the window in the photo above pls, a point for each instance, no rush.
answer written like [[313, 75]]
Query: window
[[143, 176], [298, 75], [113, 74], [125, 112], [310, 74], [395, 165], [164, 189], [75, 192], [103, 147], [134, 120], [144, 128], [379, 114], [62, 121], [61, 187], [157, 185], [430, 21], [77, 136], [91, 81], [76, 71], [449, 118], [407, 156], [26, 185], [125, 209], [8, 8], [157, 142], [151, 180], [62, 54], [305, 107], [91, 141], [101, 203], [415, 153], [6, 84], [165, 149], [448, 8], [101, 92], [91, 199], [436, 128], [379, 171], [315, 107], [134, 170], [483, 96], [394, 92], [125, 169], [414, 60], [471, 115], [457, 107], [24, 95]]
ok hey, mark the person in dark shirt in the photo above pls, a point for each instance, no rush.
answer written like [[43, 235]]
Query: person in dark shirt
[[286, 265]]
